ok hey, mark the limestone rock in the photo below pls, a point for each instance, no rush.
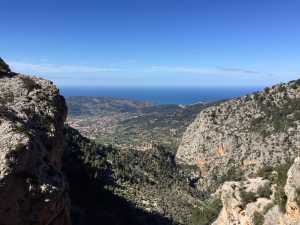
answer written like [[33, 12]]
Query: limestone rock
[[292, 190], [246, 202], [243, 135], [32, 188], [4, 68]]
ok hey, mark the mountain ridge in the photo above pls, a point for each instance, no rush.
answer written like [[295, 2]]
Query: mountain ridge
[[237, 162], [244, 134]]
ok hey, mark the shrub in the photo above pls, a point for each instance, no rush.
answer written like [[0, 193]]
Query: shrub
[[264, 192], [280, 181], [207, 212], [29, 83], [265, 172], [234, 173], [281, 88], [258, 218], [247, 98], [267, 90], [20, 147], [298, 197], [256, 96], [247, 197], [278, 176], [277, 116], [280, 198]]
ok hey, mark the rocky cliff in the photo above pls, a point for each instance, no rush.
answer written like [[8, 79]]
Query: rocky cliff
[[243, 148], [32, 187], [240, 136], [272, 200]]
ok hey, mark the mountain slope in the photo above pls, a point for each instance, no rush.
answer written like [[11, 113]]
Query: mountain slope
[[250, 141], [237, 137], [92, 180], [150, 182]]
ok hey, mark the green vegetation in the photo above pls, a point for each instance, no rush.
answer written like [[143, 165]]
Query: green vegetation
[[102, 106], [280, 117], [206, 212], [135, 175], [131, 124], [281, 88], [267, 90], [277, 176], [265, 172], [264, 191], [234, 173], [247, 197], [29, 83], [258, 219], [280, 110], [20, 147], [280, 181], [152, 176], [298, 197]]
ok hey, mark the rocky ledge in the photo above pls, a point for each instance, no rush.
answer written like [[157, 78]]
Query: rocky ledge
[[272, 200], [32, 187]]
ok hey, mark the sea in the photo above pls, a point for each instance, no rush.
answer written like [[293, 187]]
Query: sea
[[163, 95]]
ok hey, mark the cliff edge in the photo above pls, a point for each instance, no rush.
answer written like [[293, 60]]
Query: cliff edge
[[32, 187]]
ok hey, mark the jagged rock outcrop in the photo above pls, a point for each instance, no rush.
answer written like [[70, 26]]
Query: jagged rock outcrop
[[239, 136], [32, 188], [256, 201], [4, 68]]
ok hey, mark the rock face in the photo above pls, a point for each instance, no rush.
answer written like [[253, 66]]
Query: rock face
[[255, 201], [4, 68], [32, 187], [242, 135]]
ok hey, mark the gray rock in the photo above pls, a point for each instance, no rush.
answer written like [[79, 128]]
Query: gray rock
[[260, 210], [243, 135], [4, 68], [32, 187]]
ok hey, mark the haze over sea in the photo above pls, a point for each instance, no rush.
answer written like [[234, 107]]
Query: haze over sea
[[162, 95]]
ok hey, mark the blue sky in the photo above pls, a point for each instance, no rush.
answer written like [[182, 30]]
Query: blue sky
[[153, 42]]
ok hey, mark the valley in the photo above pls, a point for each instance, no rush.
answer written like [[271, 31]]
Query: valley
[[128, 124], [134, 163]]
